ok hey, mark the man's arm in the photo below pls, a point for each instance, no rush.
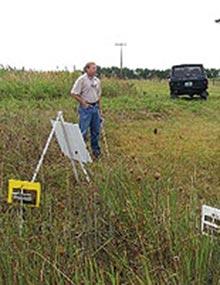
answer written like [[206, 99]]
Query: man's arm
[[99, 102], [100, 106], [76, 91], [80, 100]]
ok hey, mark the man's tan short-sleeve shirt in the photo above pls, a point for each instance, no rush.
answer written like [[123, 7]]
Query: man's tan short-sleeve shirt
[[88, 88]]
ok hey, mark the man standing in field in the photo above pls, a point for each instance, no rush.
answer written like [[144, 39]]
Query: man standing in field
[[87, 91]]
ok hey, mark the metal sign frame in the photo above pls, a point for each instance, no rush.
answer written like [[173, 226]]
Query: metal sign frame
[[60, 119]]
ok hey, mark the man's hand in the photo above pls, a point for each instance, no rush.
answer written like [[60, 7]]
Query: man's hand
[[101, 113], [84, 104]]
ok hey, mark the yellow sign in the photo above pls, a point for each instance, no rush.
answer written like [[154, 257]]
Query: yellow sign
[[25, 192]]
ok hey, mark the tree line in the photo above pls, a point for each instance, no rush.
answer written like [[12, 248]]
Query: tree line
[[145, 73], [127, 73]]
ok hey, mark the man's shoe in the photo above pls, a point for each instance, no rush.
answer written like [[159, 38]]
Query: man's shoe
[[96, 154]]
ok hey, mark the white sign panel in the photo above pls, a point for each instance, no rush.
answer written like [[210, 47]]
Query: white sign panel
[[210, 220], [75, 139]]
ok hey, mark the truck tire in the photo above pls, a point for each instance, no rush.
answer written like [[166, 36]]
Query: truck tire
[[173, 95], [204, 95]]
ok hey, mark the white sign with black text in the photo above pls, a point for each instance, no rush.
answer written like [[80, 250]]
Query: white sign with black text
[[210, 221]]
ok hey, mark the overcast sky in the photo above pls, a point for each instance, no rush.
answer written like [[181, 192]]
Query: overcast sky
[[43, 34]]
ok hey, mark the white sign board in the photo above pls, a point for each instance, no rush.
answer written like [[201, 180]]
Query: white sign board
[[75, 139], [210, 220]]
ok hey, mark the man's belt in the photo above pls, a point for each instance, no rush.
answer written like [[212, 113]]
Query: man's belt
[[92, 104]]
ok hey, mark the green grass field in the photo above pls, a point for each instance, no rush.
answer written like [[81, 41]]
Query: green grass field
[[139, 221]]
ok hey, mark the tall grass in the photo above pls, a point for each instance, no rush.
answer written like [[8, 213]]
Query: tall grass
[[139, 221]]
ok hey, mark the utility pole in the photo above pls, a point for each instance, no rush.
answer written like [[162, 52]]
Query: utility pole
[[121, 45]]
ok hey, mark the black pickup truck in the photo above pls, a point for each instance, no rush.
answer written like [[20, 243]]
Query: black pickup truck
[[188, 79]]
